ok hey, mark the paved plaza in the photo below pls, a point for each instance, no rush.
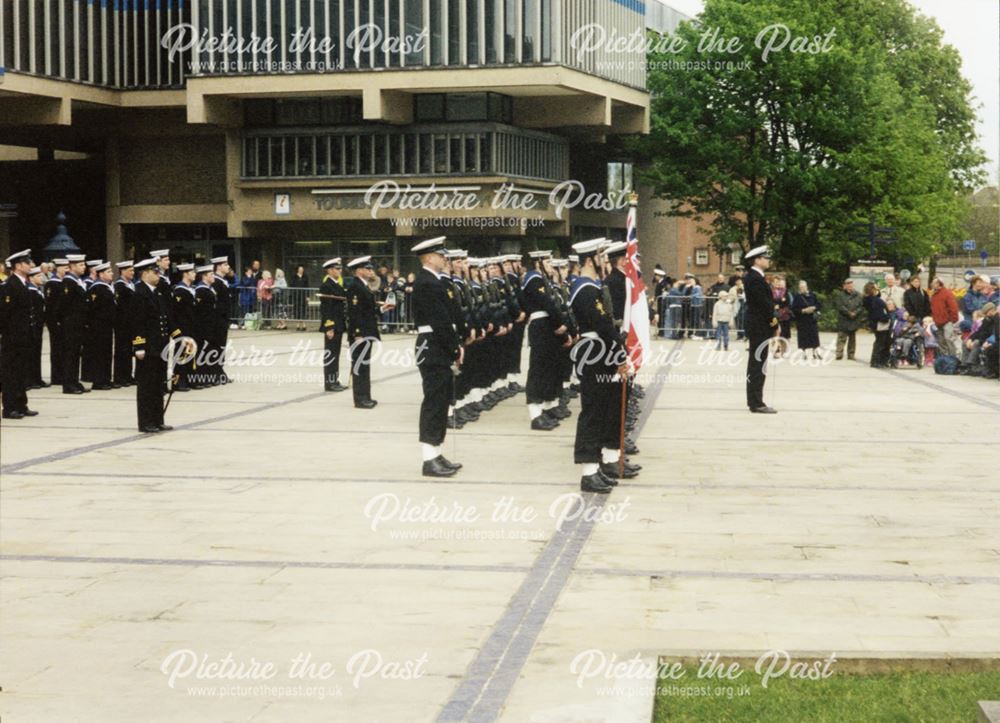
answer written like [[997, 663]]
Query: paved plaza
[[277, 525]]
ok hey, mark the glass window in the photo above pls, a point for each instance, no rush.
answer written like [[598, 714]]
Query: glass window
[[411, 151], [378, 20], [351, 155], [471, 154], [472, 31], [306, 165], [364, 18], [455, 160], [414, 18], [546, 31], [454, 31], [429, 107], [323, 156], [437, 39], [290, 156], [277, 157], [426, 153], [485, 148], [490, 20], [396, 154], [510, 31], [619, 177], [349, 27], [365, 155], [495, 107], [440, 153], [529, 40], [337, 156], [394, 30], [466, 106]]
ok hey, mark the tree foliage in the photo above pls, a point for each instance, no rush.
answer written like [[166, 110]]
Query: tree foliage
[[792, 149]]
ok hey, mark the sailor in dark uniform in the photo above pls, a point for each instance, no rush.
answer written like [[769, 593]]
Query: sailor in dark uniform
[[53, 295], [72, 321], [438, 348], [598, 357], [546, 333], [87, 369], [182, 324], [362, 329], [101, 316], [452, 261], [469, 332], [761, 325], [124, 289], [204, 324], [616, 285], [18, 338], [332, 323], [150, 335], [223, 305], [36, 279], [162, 259]]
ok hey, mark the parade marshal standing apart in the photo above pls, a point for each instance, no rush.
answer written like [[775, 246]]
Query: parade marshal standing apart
[[438, 347], [150, 334], [761, 325]]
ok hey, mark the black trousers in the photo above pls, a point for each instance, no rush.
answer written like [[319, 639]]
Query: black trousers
[[331, 357], [437, 381], [517, 343], [150, 377], [72, 348], [598, 424], [14, 372], [123, 357], [361, 369], [56, 363], [35, 367], [757, 370], [102, 351], [543, 363]]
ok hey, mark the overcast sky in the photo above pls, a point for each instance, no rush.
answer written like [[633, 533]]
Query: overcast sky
[[972, 27]]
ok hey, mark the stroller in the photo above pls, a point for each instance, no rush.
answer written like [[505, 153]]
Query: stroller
[[907, 348]]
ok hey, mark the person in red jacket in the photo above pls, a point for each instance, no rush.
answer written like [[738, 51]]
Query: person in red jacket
[[944, 310]]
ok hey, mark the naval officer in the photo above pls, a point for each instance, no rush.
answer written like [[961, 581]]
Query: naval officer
[[761, 325]]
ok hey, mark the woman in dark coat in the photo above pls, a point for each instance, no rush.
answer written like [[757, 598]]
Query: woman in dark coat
[[806, 308], [880, 323], [783, 310], [299, 280]]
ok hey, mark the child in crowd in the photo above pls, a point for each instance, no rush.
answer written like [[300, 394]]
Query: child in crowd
[[722, 316], [907, 329], [977, 321], [929, 332]]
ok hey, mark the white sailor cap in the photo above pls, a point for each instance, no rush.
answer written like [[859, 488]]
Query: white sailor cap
[[75, 258], [542, 254], [19, 257], [758, 251], [477, 262], [559, 263], [360, 262], [34, 270], [205, 268], [574, 258], [160, 252], [589, 247], [185, 267], [60, 262], [493, 261], [511, 257], [616, 249], [103, 266], [95, 262], [332, 262], [430, 246], [457, 254], [219, 259], [124, 264], [145, 264], [659, 272]]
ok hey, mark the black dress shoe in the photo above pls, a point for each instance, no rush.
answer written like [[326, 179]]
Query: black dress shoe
[[609, 481], [104, 387], [454, 465], [30, 413], [13, 415], [73, 390], [629, 465], [365, 404], [543, 423], [116, 385], [594, 483], [611, 470], [454, 422], [630, 447], [164, 427], [149, 429], [44, 385], [764, 410], [436, 468], [338, 387]]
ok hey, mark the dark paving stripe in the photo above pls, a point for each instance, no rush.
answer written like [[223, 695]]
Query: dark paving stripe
[[76, 451], [794, 576], [270, 564], [493, 672]]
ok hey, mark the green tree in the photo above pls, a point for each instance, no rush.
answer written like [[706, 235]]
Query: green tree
[[793, 148]]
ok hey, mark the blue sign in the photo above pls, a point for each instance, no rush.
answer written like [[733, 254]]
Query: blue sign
[[984, 255], [969, 245]]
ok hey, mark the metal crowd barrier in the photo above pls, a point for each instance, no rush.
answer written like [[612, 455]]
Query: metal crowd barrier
[[686, 317], [293, 308]]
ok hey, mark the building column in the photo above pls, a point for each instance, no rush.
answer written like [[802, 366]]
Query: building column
[[115, 247]]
